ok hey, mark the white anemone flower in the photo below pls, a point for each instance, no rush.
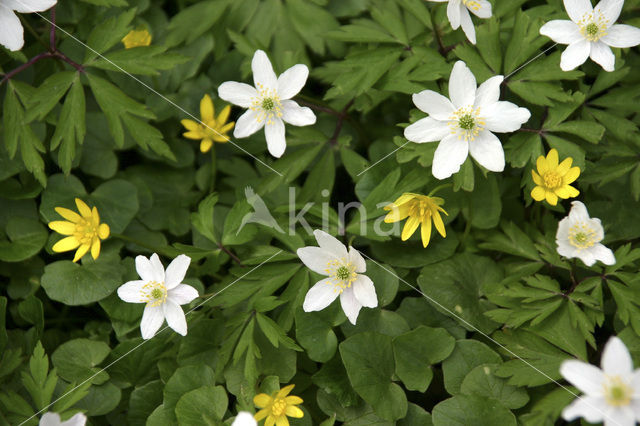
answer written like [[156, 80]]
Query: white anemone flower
[[344, 269], [611, 394], [579, 236], [244, 418], [591, 33], [53, 419], [458, 14], [269, 103], [163, 293], [11, 31], [464, 124]]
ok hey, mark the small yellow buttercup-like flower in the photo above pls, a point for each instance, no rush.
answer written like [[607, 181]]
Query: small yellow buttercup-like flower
[[421, 210], [84, 230], [276, 407], [213, 129], [136, 38], [553, 179]]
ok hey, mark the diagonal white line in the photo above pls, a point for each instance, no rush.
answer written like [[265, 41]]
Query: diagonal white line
[[384, 158], [492, 339], [154, 91], [145, 341]]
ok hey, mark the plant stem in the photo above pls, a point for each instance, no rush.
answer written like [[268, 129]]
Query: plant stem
[[341, 117], [231, 255], [212, 183]]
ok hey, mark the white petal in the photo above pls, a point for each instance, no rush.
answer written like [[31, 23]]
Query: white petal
[[576, 9], [292, 81], [240, 94], [158, 269], [131, 291], [152, 319], [274, 133], [489, 92], [244, 418], [487, 150], [182, 294], [176, 271], [427, 130], [29, 6], [293, 113], [586, 256], [330, 243], [610, 9], [635, 385], [146, 270], [562, 31], [365, 292], [590, 407], [263, 75], [622, 36], [480, 8], [449, 156], [350, 305], [467, 25], [320, 296], [586, 377], [566, 249], [574, 55], [247, 124], [462, 85], [316, 259], [603, 254], [11, 33], [78, 419], [602, 54], [620, 416], [356, 259], [578, 212], [453, 13], [434, 104], [504, 117], [616, 360], [50, 418], [175, 317]]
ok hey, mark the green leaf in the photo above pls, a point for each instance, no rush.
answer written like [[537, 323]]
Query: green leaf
[[117, 203], [481, 381], [464, 410], [201, 406], [71, 126], [203, 221], [315, 333], [186, 379], [587, 130], [466, 355], [143, 400], [144, 60], [513, 241], [108, 33], [77, 360], [193, 21], [26, 237], [48, 94]]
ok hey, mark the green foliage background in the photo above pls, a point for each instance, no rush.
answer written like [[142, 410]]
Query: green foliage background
[[115, 141]]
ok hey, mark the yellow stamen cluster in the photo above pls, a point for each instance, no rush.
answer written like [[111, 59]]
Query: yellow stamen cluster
[[154, 293], [582, 236], [421, 210], [84, 230], [466, 123], [471, 4], [267, 104], [136, 38], [342, 274], [276, 407], [593, 27], [211, 129], [553, 179], [616, 392]]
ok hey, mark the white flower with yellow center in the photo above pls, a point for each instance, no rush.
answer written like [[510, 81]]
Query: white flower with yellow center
[[269, 103], [344, 269], [611, 394], [162, 292], [11, 31], [458, 14], [53, 419], [579, 236], [244, 418], [464, 124], [591, 33]]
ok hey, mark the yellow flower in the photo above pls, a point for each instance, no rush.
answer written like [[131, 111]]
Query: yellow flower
[[420, 209], [553, 179], [277, 407], [136, 38], [214, 129], [85, 230]]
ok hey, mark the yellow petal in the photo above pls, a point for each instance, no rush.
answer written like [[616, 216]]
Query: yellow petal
[[70, 215], [63, 227], [410, 227], [95, 217], [103, 231], [552, 159], [552, 198], [206, 109], [224, 129], [562, 192], [190, 124], [270, 421], [224, 115], [425, 232], [536, 178], [95, 248], [437, 221], [541, 164], [219, 138], [261, 414], [292, 411], [282, 421], [262, 400], [564, 167], [571, 175], [407, 196], [82, 250], [66, 244], [538, 193], [293, 400], [205, 145], [397, 213], [284, 391], [83, 208], [195, 135]]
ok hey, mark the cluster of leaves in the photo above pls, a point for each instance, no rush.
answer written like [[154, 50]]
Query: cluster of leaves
[[470, 330]]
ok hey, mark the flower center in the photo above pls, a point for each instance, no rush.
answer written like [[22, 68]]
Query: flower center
[[154, 293], [552, 180], [342, 274], [471, 4], [267, 104], [466, 123], [593, 26], [279, 407], [582, 236], [617, 392], [86, 231]]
